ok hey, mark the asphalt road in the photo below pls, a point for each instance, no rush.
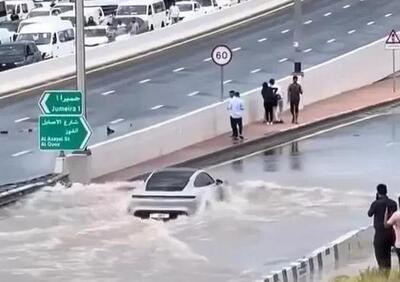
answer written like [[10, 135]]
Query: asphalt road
[[284, 204], [133, 96]]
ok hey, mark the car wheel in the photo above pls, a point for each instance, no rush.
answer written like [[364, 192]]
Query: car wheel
[[151, 28], [162, 24]]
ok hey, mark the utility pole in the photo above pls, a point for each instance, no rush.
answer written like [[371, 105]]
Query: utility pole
[[80, 50]]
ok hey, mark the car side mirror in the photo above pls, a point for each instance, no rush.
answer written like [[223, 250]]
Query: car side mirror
[[219, 182]]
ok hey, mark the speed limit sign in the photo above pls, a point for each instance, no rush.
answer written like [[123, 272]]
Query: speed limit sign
[[221, 55]]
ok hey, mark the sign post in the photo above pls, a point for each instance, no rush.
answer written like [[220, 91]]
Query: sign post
[[221, 55], [393, 43]]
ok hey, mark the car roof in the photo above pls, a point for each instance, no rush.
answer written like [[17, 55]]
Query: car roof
[[181, 169], [25, 42]]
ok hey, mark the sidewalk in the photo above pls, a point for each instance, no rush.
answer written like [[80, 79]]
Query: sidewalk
[[377, 94]]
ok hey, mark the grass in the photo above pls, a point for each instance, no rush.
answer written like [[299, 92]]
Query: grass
[[370, 275]]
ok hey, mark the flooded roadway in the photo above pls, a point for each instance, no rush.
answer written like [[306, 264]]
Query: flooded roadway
[[284, 204]]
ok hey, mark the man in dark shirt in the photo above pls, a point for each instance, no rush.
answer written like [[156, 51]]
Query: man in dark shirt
[[294, 93], [384, 237]]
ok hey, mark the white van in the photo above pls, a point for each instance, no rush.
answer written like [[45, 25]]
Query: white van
[[54, 39], [209, 6], [151, 13], [95, 12], [19, 7], [43, 19]]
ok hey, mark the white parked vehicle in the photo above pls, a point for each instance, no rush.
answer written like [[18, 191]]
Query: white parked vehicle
[[151, 13], [19, 7], [209, 6], [189, 10], [95, 12], [39, 12], [63, 7], [172, 192], [44, 20], [54, 39], [226, 3], [5, 36]]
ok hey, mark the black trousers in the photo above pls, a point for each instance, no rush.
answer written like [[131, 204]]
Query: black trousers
[[237, 126], [383, 242], [294, 107], [269, 112], [232, 126]]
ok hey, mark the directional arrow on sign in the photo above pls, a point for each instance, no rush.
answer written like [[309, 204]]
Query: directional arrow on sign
[[66, 133], [61, 102]]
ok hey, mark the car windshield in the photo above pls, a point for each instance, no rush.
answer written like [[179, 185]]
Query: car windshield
[[168, 181], [185, 7], [64, 8], [10, 26], [71, 19], [38, 38], [95, 32], [10, 8], [132, 10], [12, 50], [33, 14], [205, 3]]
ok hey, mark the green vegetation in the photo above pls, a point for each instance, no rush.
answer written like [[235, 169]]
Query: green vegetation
[[370, 275]]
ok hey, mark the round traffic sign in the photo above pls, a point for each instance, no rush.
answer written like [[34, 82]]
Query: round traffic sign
[[221, 55]]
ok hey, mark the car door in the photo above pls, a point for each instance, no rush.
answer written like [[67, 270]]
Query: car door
[[29, 55], [36, 53], [150, 18]]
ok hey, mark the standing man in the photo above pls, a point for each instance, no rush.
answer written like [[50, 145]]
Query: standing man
[[278, 93], [231, 95], [174, 13], [384, 237], [236, 109], [294, 93]]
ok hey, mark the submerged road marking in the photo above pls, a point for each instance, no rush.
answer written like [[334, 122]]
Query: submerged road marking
[[285, 31], [298, 139], [331, 40], [351, 31], [108, 93], [21, 119], [236, 49], [207, 60], [156, 107], [193, 93], [116, 121], [227, 81], [262, 39], [144, 81], [308, 22], [388, 15], [307, 50], [21, 153], [255, 71], [178, 69], [370, 23], [327, 14], [346, 6], [283, 60]]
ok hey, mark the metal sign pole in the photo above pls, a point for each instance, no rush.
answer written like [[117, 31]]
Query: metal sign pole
[[394, 70], [222, 83]]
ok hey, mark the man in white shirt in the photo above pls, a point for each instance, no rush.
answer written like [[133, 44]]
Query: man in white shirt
[[236, 108], [174, 13]]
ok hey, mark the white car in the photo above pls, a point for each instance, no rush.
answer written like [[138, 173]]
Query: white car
[[226, 3], [189, 10], [173, 192]]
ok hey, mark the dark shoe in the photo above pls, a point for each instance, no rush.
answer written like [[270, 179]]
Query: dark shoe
[[235, 138], [241, 137]]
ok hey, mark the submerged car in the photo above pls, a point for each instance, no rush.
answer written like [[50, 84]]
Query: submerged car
[[173, 192]]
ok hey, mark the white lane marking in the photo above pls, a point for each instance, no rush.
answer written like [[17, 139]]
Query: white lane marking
[[116, 121], [21, 119], [351, 31], [308, 22], [307, 50], [178, 69], [262, 39], [285, 31], [331, 40], [327, 14], [21, 153], [207, 60], [144, 81], [236, 49], [255, 71], [370, 23], [283, 60], [388, 15], [346, 6], [156, 107], [193, 93], [108, 93], [299, 139], [227, 81]]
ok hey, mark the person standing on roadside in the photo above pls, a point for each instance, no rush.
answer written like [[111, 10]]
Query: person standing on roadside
[[269, 102], [384, 237], [279, 101], [174, 13], [294, 92], [231, 95], [236, 109], [394, 221]]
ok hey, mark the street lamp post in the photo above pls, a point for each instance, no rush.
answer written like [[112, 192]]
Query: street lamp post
[[80, 50]]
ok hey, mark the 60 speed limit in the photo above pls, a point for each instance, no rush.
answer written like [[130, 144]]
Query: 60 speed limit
[[221, 55]]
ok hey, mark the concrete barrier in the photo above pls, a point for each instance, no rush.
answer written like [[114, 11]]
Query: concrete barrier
[[43, 72], [349, 71]]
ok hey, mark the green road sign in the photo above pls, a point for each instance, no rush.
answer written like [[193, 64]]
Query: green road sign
[[65, 133], [63, 102]]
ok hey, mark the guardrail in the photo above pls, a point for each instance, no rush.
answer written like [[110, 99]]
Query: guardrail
[[155, 41], [327, 259], [349, 71]]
